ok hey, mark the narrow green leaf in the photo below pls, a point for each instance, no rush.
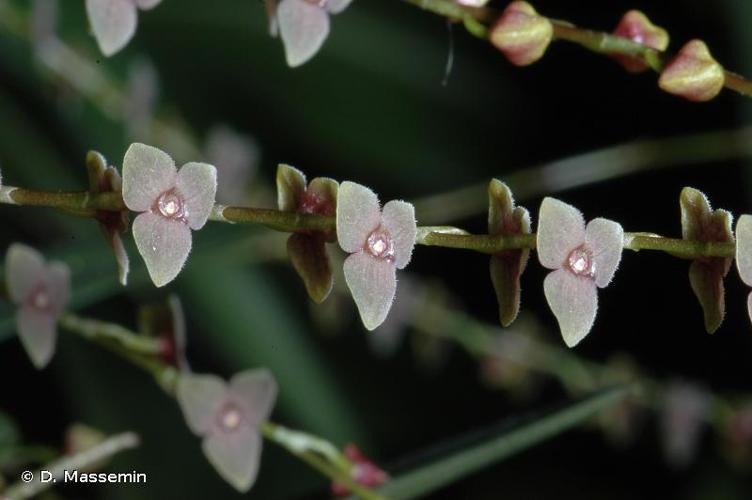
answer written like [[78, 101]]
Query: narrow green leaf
[[496, 445]]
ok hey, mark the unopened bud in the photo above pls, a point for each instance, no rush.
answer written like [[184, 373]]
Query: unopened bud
[[522, 34], [637, 27], [693, 73]]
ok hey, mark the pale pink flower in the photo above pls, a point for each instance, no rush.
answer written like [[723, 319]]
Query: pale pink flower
[[171, 202], [744, 254], [685, 408], [41, 292], [114, 21], [303, 25], [583, 259], [379, 244], [227, 417]]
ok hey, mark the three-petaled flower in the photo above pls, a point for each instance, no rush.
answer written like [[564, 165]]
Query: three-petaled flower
[[171, 202], [227, 417], [379, 244], [41, 292], [114, 21], [583, 259]]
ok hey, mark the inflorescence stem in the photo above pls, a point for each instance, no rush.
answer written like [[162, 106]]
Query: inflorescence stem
[[447, 237]]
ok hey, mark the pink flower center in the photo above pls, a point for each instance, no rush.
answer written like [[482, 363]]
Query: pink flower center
[[581, 262], [380, 244], [172, 206], [40, 299], [231, 417]]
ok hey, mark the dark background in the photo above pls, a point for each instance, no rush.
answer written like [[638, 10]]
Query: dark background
[[371, 107]]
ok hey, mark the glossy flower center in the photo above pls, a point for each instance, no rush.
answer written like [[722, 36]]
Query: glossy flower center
[[230, 418], [581, 262], [380, 244], [171, 206]]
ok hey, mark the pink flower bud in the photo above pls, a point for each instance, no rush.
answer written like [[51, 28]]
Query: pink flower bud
[[637, 27], [521, 34], [363, 472], [693, 73]]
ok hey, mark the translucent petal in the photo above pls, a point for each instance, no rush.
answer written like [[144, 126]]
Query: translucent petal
[[561, 229], [605, 239], [121, 258], [311, 261], [304, 26], [113, 23], [291, 185], [164, 245], [358, 215], [24, 268], [399, 220], [574, 302], [38, 334], [147, 4], [258, 389], [506, 270], [200, 397], [744, 248], [706, 279], [197, 183], [337, 6], [147, 173], [373, 283], [235, 456]]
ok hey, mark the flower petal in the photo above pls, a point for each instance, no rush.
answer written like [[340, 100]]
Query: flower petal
[[744, 248], [235, 456], [258, 389], [358, 215], [200, 397], [574, 302], [164, 245], [506, 270], [304, 26], [311, 261], [291, 186], [337, 6], [197, 182], [113, 23], [373, 283], [147, 173], [147, 4], [58, 286], [24, 267], [38, 334], [706, 279], [605, 238], [561, 229], [399, 219]]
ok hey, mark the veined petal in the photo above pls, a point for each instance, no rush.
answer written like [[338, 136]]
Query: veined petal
[[24, 267], [303, 26], [164, 245], [399, 219], [197, 183], [258, 389], [200, 397], [336, 6], [358, 215], [744, 248], [147, 173], [561, 229], [113, 23], [373, 283], [574, 302], [235, 456], [38, 334], [605, 239]]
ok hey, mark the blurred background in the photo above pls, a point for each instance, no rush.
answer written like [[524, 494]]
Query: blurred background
[[378, 106]]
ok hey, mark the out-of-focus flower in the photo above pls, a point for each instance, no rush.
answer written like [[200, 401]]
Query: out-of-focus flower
[[106, 179], [236, 157], [521, 34], [693, 73], [637, 27], [379, 244], [171, 202], [364, 472], [303, 25], [685, 408], [41, 292], [44, 22], [142, 95], [583, 259], [227, 417], [701, 223], [744, 254], [114, 21]]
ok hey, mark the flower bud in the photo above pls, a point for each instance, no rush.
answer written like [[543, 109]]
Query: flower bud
[[693, 73], [637, 27], [521, 34]]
